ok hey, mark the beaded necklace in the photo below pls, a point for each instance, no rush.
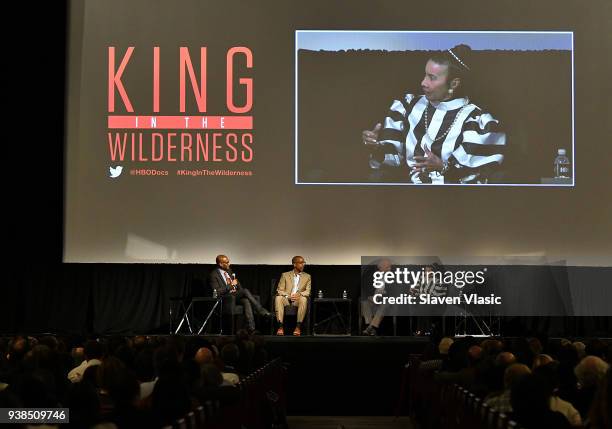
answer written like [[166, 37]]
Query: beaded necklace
[[467, 101]]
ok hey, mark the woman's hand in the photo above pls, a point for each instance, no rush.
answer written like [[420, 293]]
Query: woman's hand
[[370, 137], [429, 162]]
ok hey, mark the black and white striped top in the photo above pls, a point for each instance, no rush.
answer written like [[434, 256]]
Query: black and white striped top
[[473, 147], [432, 288]]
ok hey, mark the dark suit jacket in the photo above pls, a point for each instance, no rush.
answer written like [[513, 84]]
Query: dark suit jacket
[[218, 283]]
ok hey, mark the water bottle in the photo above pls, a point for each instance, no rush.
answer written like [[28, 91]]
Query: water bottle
[[562, 165], [215, 293], [320, 294], [344, 294]]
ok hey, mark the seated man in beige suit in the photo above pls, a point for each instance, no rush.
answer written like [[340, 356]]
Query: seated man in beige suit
[[293, 289]]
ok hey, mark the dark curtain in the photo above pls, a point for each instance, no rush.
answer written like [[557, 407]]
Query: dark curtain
[[135, 298]]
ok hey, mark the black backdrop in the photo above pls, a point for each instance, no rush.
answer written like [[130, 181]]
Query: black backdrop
[[134, 298], [131, 298]]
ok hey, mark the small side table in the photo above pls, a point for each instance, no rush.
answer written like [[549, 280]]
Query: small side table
[[336, 304]]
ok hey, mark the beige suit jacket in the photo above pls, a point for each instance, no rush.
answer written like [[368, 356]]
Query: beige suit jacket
[[285, 284]]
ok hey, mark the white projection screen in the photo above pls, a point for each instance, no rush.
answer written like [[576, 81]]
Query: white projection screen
[[203, 127]]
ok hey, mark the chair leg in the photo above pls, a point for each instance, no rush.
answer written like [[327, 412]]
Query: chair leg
[[309, 314], [170, 319], [221, 317], [272, 325]]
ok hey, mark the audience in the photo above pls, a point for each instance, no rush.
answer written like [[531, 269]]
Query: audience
[[589, 373], [549, 375], [600, 414], [541, 360], [512, 375], [580, 348], [444, 345], [435, 361], [121, 382], [536, 382], [93, 352], [530, 400]]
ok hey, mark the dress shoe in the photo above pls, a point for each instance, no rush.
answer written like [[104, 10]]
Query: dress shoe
[[297, 331], [280, 331], [370, 331]]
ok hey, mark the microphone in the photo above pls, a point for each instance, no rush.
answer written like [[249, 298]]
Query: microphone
[[234, 278]]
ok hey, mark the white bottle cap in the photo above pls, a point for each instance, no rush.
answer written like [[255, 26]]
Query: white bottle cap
[[561, 151]]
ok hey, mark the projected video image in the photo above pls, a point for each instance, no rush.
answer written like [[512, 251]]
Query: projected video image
[[434, 108]]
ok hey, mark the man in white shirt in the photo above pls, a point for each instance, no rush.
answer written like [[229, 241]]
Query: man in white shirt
[[293, 289]]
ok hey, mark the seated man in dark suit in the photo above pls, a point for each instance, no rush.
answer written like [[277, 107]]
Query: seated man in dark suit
[[224, 281]]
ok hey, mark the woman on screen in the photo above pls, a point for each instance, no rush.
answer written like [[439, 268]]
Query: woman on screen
[[441, 136]]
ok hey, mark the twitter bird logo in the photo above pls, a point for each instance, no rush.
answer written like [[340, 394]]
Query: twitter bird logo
[[115, 172]]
